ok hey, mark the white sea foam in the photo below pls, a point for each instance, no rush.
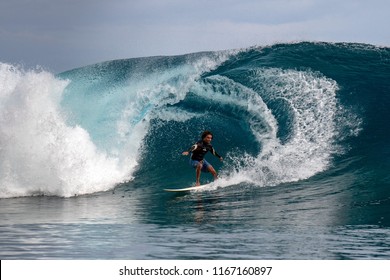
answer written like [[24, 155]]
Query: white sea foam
[[40, 153], [313, 105]]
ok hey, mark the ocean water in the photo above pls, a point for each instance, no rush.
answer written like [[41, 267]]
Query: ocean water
[[303, 129]]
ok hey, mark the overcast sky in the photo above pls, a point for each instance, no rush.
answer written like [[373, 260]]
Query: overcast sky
[[63, 34]]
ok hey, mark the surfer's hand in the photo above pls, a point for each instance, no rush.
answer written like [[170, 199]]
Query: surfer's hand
[[185, 153], [221, 158]]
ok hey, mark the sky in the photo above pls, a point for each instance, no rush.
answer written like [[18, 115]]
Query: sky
[[60, 35]]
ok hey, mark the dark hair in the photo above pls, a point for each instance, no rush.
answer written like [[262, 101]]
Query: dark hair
[[205, 133]]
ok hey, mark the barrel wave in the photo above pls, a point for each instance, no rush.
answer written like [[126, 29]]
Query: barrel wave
[[280, 114], [303, 130]]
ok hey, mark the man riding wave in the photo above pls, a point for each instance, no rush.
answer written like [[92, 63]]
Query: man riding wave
[[198, 151]]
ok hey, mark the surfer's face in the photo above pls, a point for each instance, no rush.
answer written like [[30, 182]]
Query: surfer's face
[[208, 139]]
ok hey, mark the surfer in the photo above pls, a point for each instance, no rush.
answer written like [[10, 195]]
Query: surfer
[[199, 150]]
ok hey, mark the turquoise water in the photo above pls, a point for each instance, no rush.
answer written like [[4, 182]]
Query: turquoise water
[[302, 128]]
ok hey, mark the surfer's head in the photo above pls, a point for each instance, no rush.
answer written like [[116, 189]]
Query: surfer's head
[[207, 136]]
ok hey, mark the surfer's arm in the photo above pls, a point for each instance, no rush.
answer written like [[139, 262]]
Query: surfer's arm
[[214, 152], [190, 150]]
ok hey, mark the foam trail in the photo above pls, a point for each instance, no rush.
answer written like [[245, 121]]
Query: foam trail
[[40, 153]]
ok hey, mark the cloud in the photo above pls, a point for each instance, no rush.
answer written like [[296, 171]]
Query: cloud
[[64, 34]]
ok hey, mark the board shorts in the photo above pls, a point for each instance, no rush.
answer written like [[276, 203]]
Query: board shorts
[[205, 167]]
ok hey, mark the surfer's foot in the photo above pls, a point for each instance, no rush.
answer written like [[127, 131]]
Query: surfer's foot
[[197, 184]]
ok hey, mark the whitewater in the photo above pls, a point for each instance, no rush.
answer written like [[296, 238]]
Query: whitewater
[[302, 128]]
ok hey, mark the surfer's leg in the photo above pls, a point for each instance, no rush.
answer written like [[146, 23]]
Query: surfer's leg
[[198, 170], [198, 165], [212, 171]]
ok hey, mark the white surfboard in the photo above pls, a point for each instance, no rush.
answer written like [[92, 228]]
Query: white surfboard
[[195, 188]]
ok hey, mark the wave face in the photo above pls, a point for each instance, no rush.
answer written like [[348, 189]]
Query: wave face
[[279, 114]]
